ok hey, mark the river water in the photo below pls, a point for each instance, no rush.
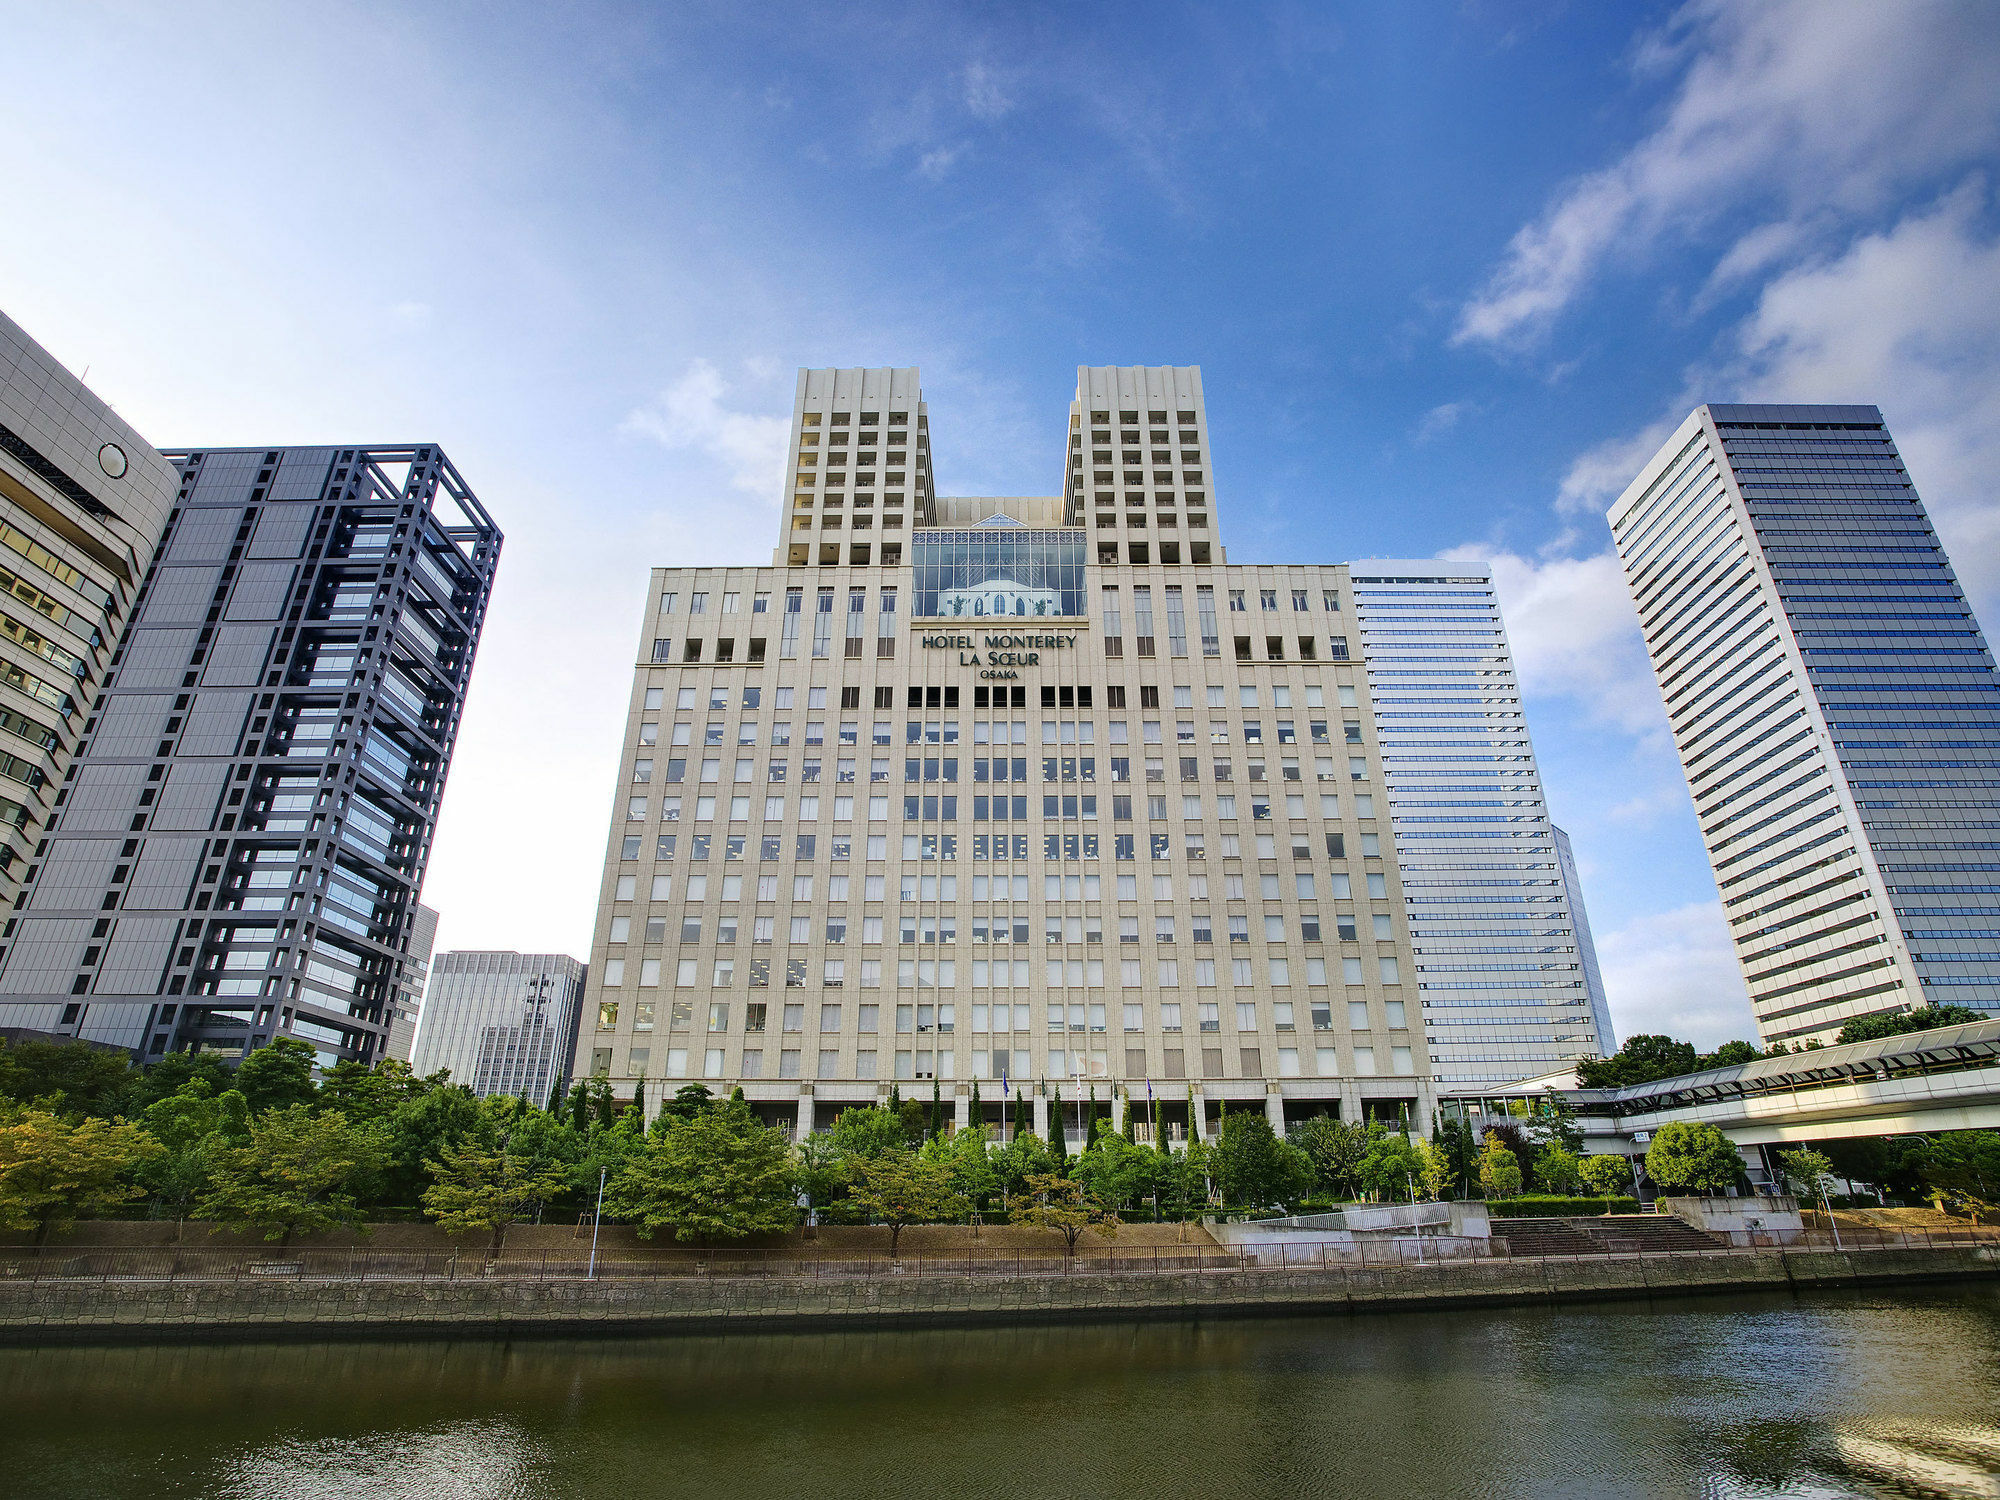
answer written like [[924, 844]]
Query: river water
[[1838, 1394]]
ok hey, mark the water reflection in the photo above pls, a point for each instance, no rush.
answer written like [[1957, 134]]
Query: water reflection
[[1756, 1397]]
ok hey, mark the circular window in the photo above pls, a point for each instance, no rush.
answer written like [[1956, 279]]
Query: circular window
[[111, 459]]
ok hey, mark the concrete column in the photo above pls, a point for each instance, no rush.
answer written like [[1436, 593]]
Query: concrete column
[[1121, 1106], [1274, 1110], [1198, 1125], [1041, 1103], [805, 1127], [961, 1108]]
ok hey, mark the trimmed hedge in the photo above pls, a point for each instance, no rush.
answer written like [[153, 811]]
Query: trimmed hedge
[[1538, 1206]]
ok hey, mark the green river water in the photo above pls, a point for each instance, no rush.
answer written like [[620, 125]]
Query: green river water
[[1828, 1395]]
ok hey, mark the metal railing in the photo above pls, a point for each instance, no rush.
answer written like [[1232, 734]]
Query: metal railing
[[67, 1263]]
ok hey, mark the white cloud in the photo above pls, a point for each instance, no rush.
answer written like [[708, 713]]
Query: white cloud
[[1908, 319], [690, 414], [934, 164], [1816, 105], [1675, 972], [1441, 419], [985, 99], [1574, 632], [1600, 474]]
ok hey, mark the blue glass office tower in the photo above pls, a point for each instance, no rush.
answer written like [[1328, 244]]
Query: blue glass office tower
[[237, 851], [1835, 706]]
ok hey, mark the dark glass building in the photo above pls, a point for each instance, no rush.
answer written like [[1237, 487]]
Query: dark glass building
[[238, 850]]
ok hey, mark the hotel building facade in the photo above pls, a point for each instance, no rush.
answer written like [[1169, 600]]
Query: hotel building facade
[[1017, 796], [1835, 706]]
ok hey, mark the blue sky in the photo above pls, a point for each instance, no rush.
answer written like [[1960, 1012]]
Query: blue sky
[[1450, 271]]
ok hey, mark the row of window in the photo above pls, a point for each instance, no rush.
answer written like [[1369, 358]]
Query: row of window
[[927, 974], [915, 1066], [942, 1019]]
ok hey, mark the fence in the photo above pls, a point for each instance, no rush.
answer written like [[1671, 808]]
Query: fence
[[69, 1264]]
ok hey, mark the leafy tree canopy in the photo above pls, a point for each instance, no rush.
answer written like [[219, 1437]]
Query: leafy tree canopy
[[299, 1173], [1691, 1158], [53, 1170], [1335, 1148], [1902, 1023], [900, 1188], [68, 1077], [1061, 1203], [1254, 1166], [717, 1176], [1643, 1059], [277, 1075]]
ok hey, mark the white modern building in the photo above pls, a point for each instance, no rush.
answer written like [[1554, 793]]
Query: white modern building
[[1835, 706], [501, 1022], [1495, 919]]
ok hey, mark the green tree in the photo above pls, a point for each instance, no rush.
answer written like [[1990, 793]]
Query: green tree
[[1499, 1168], [1559, 1171], [718, 1176], [475, 1186], [690, 1100], [1021, 1116], [1904, 1022], [1555, 1122], [934, 1127], [422, 1129], [156, 1081], [299, 1173], [1255, 1167], [1693, 1158], [1052, 1201], [819, 1171], [1643, 1059], [53, 1170], [1607, 1176], [66, 1077], [860, 1133], [1058, 1134], [190, 1127], [900, 1188], [1457, 1150], [1392, 1165], [1018, 1160], [1335, 1149], [1118, 1172], [1809, 1172], [363, 1093], [1728, 1055], [1961, 1171], [970, 1160], [277, 1075]]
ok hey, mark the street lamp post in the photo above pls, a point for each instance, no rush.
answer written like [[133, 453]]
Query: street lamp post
[[597, 1224]]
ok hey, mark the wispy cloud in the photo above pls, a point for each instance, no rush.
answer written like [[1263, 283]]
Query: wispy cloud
[[1822, 105], [1441, 419], [690, 414]]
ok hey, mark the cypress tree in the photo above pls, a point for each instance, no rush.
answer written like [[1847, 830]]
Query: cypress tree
[[937, 1111], [1131, 1122], [978, 1109], [895, 1099], [1020, 1116], [1090, 1130], [639, 1096], [556, 1097], [1058, 1137]]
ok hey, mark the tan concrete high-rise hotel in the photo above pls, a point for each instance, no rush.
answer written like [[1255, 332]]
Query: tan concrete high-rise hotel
[[1029, 794]]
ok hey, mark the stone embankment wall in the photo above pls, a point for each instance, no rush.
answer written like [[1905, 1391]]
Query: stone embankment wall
[[121, 1311]]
